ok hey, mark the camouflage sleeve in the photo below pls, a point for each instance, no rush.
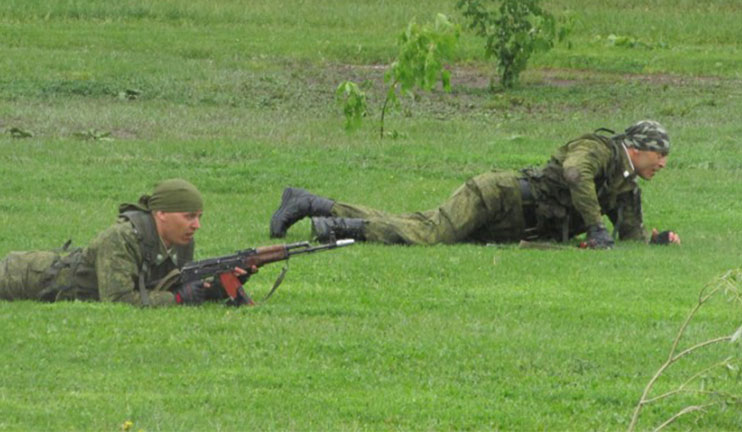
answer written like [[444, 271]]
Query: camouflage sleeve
[[117, 269], [631, 224], [584, 160]]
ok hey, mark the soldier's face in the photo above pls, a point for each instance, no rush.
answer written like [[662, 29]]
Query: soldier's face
[[177, 228], [647, 163]]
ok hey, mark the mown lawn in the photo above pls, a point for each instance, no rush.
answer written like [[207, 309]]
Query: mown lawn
[[239, 100]]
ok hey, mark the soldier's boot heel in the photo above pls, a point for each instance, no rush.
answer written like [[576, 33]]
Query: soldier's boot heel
[[296, 204], [329, 229]]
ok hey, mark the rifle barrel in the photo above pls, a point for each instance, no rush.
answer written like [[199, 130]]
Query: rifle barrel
[[310, 249]]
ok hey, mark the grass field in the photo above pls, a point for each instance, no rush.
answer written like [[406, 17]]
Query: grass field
[[237, 97]]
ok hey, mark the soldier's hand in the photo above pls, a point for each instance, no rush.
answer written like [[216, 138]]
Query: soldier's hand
[[243, 275], [218, 292], [664, 237], [191, 293], [598, 237]]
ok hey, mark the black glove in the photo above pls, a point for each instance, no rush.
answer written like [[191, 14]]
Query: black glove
[[191, 293], [598, 237], [662, 238]]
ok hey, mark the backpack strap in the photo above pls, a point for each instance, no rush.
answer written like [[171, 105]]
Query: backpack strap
[[615, 162], [602, 129], [611, 144], [146, 232]]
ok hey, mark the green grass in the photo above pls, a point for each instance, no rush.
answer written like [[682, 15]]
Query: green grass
[[239, 99]]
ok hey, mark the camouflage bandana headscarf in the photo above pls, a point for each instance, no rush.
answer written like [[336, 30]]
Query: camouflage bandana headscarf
[[174, 195], [646, 135]]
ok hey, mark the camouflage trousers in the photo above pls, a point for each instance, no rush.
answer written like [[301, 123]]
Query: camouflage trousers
[[34, 275], [487, 208]]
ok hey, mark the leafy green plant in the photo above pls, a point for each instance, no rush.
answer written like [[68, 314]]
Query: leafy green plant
[[353, 102], [422, 51], [729, 285], [513, 31]]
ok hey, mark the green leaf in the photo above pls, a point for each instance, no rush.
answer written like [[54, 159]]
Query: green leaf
[[353, 103]]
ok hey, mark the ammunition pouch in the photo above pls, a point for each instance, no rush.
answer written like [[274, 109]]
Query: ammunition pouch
[[546, 216]]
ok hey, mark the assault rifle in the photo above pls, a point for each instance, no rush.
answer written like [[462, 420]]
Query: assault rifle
[[249, 260]]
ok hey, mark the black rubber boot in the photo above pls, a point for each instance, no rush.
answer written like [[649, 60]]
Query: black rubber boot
[[296, 204], [329, 229]]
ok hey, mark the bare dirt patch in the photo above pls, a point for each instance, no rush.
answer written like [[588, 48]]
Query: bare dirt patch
[[480, 76]]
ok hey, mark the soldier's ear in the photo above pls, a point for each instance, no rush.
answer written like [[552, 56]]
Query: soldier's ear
[[633, 154], [159, 216]]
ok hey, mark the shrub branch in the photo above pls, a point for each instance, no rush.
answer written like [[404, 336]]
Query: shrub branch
[[729, 284]]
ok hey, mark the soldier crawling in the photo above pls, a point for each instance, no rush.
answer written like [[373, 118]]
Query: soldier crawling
[[592, 175], [136, 260]]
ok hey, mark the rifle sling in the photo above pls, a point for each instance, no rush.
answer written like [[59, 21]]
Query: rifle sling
[[277, 283], [143, 294]]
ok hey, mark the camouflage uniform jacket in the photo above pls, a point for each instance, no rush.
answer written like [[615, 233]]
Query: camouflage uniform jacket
[[584, 179], [128, 253]]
